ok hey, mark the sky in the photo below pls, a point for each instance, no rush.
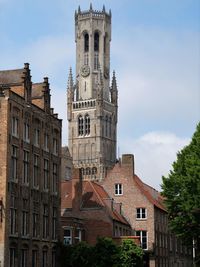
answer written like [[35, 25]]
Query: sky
[[155, 52]]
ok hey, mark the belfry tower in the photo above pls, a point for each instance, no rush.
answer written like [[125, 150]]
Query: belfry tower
[[91, 101]]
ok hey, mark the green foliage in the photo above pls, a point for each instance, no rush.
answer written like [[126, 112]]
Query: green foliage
[[105, 253], [130, 254], [182, 192]]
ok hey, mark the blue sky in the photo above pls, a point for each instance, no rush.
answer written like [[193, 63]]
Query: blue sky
[[155, 52]]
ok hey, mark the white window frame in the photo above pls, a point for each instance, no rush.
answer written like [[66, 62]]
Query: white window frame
[[37, 137], [67, 239], [141, 212], [15, 126], [141, 236], [118, 189]]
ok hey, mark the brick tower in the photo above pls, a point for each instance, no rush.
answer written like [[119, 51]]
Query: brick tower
[[91, 101]]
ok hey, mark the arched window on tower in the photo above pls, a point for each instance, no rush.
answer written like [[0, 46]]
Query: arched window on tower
[[80, 125], [86, 49], [96, 51], [86, 42], [87, 124]]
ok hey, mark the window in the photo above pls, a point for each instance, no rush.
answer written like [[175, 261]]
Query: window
[[35, 170], [36, 137], [13, 216], [24, 257], [44, 257], [14, 163], [54, 224], [141, 213], [35, 258], [67, 236], [96, 61], [80, 126], [26, 167], [87, 125], [45, 221], [86, 42], [26, 132], [96, 42], [15, 126], [46, 174], [46, 142], [35, 224], [55, 146], [13, 220], [55, 178], [143, 238], [12, 257], [78, 235], [25, 218], [118, 189], [54, 257]]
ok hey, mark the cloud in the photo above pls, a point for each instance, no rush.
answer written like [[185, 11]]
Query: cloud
[[154, 154]]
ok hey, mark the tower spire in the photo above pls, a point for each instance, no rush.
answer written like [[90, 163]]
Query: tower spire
[[104, 10], [114, 82], [70, 84], [90, 6]]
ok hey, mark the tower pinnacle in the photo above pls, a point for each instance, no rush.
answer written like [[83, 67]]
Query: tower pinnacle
[[70, 80]]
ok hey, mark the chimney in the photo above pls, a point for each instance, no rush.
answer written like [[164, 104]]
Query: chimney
[[76, 189], [128, 162]]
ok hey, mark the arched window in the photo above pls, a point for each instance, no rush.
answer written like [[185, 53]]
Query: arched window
[[88, 171], [86, 42], [94, 170], [87, 124], [96, 42], [80, 125], [96, 50]]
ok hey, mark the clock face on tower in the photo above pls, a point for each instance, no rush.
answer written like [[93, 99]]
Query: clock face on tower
[[85, 70]]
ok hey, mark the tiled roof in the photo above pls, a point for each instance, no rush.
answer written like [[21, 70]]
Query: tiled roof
[[37, 90], [11, 76], [93, 197], [151, 194], [66, 194]]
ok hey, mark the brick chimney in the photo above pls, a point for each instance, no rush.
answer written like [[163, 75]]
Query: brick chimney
[[76, 189], [128, 163]]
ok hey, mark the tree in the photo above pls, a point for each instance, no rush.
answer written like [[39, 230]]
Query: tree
[[130, 254], [181, 190], [105, 253]]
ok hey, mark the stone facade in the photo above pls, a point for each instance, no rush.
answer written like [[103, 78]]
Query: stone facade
[[30, 144], [91, 102]]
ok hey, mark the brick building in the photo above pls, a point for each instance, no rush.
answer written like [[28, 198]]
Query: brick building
[[30, 142], [143, 208], [88, 212]]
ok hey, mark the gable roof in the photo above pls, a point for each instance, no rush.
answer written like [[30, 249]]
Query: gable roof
[[11, 76], [151, 194], [93, 197]]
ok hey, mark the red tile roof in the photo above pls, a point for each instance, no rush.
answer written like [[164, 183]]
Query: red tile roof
[[11, 76], [151, 194], [93, 197]]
